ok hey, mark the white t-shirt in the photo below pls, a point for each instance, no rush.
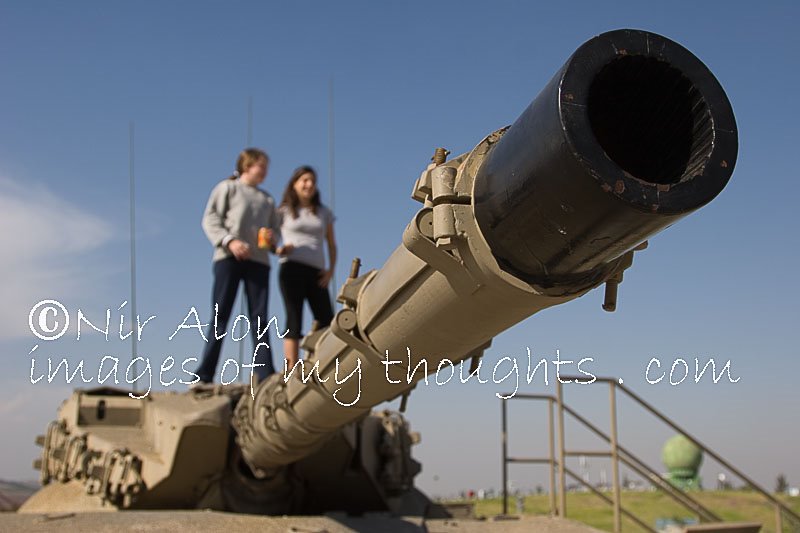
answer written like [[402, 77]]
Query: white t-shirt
[[306, 233]]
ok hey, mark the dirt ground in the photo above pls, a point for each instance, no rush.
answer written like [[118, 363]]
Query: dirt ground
[[171, 521]]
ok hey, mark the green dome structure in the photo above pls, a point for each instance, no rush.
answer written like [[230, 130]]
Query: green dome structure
[[682, 458]]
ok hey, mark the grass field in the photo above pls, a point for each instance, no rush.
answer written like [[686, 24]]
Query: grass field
[[736, 506]]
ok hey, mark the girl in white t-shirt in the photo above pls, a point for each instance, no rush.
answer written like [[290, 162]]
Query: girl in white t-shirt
[[303, 274]]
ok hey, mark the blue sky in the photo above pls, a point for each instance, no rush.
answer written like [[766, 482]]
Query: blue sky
[[408, 77]]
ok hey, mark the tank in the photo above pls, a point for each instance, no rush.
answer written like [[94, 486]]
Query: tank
[[631, 135]]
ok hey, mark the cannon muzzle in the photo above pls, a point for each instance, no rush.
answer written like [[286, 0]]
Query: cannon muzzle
[[632, 134]]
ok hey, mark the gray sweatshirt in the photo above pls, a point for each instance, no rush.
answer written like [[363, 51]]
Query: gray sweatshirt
[[237, 211]]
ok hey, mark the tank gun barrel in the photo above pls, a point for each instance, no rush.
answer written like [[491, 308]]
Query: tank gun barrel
[[631, 134]]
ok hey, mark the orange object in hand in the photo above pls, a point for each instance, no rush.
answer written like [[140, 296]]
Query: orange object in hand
[[264, 237]]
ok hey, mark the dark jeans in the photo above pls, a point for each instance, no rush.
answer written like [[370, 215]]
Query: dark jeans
[[299, 282], [228, 273]]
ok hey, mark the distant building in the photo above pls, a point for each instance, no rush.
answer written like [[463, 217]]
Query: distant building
[[682, 458]]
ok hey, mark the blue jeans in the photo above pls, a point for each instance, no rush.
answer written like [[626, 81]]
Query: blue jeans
[[228, 273]]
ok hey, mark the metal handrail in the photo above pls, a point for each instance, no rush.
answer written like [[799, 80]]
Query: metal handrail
[[780, 507], [618, 454], [608, 500], [550, 459], [628, 458]]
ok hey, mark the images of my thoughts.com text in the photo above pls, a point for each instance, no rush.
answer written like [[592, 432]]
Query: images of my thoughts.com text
[[49, 320]]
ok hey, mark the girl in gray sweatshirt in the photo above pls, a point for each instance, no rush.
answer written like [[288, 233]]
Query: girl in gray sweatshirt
[[243, 225]]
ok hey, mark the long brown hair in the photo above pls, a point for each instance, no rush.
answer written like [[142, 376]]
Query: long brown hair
[[247, 158], [290, 199]]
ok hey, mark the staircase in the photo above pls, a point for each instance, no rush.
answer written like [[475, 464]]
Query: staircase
[[558, 470]]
